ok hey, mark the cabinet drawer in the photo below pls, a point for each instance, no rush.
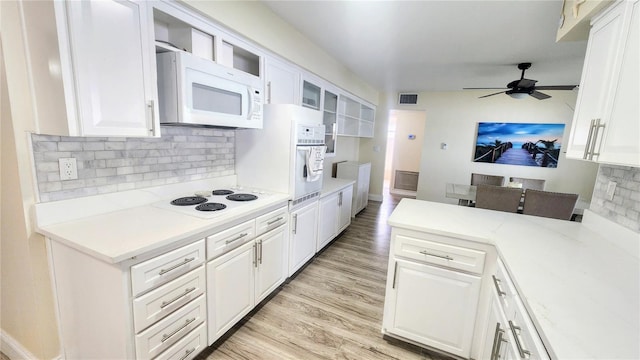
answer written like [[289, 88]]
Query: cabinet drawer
[[168, 331], [162, 301], [505, 289], [525, 335], [161, 269], [271, 220], [226, 240], [188, 347], [437, 253]]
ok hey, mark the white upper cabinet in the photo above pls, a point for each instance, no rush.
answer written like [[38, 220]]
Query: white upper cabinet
[[355, 117], [281, 82], [330, 120], [605, 126], [108, 69], [311, 92]]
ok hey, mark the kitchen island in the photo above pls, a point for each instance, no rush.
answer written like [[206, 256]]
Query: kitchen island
[[579, 282]]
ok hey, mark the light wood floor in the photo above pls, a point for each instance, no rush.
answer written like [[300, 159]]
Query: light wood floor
[[332, 309]]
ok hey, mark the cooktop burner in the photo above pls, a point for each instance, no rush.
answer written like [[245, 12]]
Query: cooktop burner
[[189, 200], [222, 192], [242, 197], [210, 207]]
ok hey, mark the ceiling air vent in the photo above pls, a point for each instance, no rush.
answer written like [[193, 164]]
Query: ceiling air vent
[[408, 99]]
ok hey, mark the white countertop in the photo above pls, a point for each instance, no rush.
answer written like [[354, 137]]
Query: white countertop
[[580, 282], [331, 185], [115, 227]]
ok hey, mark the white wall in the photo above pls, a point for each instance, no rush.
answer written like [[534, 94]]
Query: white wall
[[407, 153], [452, 118]]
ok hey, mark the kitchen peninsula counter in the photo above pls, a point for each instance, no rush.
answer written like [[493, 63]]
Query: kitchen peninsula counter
[[580, 282]]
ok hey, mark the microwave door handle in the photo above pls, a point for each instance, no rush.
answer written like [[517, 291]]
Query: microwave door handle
[[250, 103]]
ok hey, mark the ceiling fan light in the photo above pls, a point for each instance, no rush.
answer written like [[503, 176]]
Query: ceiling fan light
[[518, 95]]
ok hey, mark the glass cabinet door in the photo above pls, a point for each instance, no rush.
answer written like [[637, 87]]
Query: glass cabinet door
[[311, 95], [329, 117]]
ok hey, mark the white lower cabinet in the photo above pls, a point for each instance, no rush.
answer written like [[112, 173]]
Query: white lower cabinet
[[334, 215], [509, 332], [244, 276], [304, 227], [361, 173], [444, 321], [231, 290]]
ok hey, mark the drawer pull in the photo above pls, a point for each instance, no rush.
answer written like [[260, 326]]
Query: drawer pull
[[516, 337], [185, 262], [497, 342], [166, 337], [236, 238], [447, 257], [185, 293], [274, 221], [187, 353], [496, 283]]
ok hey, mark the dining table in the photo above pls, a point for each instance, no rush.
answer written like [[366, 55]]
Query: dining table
[[466, 194]]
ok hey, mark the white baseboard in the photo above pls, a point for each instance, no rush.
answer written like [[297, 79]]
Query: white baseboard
[[403, 192], [14, 350], [377, 198]]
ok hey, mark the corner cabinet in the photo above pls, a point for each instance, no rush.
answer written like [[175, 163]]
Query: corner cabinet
[[605, 126], [107, 67]]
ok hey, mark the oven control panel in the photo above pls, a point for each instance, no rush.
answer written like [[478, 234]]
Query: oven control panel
[[307, 134]]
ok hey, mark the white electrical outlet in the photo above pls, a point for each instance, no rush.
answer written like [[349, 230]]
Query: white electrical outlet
[[68, 168], [611, 190]]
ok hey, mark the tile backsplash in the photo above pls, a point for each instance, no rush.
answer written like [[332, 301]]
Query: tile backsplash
[[624, 209], [108, 165]]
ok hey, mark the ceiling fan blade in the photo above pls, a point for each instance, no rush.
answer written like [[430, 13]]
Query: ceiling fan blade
[[485, 88], [538, 95], [526, 83], [556, 87], [501, 92]]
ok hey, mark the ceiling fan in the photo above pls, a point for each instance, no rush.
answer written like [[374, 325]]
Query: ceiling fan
[[521, 88]]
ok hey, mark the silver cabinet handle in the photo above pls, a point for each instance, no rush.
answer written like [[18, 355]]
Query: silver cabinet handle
[[594, 140], [447, 257], [152, 107], [340, 199], [268, 92], [496, 283], [294, 228], [260, 252], [166, 337], [516, 337], [589, 136], [236, 238], [274, 221], [395, 270], [255, 255], [187, 353], [185, 293], [185, 262], [497, 339]]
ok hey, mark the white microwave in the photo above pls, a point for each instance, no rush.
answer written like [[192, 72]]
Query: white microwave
[[197, 91]]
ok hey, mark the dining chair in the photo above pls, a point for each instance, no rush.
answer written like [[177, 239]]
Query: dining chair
[[549, 204], [535, 184], [477, 179], [498, 198]]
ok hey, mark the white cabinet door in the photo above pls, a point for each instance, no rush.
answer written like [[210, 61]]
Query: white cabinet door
[[303, 231], [282, 83], [434, 306], [111, 59], [498, 342], [272, 261], [621, 137], [344, 217], [364, 174], [596, 80], [230, 289], [327, 219]]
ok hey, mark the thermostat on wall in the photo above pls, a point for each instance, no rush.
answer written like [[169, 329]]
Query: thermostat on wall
[[412, 137]]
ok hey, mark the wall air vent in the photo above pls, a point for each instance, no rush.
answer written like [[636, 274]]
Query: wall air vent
[[407, 99]]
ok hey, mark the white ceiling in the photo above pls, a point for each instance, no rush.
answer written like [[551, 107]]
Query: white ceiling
[[440, 45]]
